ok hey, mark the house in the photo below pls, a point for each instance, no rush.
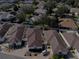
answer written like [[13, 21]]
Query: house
[[36, 18], [7, 1], [76, 45], [40, 11], [72, 39], [34, 40], [5, 16], [48, 37], [75, 11], [4, 28], [27, 32], [55, 41], [1, 40], [7, 5], [41, 5], [28, 1], [14, 36], [67, 23]]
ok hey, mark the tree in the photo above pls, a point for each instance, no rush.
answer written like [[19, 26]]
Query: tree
[[50, 5], [61, 9], [53, 21], [35, 2], [5, 6], [21, 17], [27, 8], [15, 8], [76, 4], [50, 21], [73, 3], [70, 2], [45, 0]]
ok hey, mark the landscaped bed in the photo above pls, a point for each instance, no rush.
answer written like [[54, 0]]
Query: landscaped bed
[[57, 57]]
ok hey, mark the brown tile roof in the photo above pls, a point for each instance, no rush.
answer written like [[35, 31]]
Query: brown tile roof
[[40, 11], [34, 37], [15, 33], [27, 32], [48, 35], [10, 32], [67, 22], [53, 37], [75, 10], [76, 44], [72, 39], [5, 27]]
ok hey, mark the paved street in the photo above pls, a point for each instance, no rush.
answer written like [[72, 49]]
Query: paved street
[[20, 55], [5, 56]]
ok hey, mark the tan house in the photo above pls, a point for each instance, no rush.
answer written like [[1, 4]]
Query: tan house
[[34, 39], [72, 39], [14, 35], [55, 41], [67, 23], [3, 29], [75, 11]]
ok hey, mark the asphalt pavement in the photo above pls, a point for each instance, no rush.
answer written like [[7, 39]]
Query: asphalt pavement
[[5, 56]]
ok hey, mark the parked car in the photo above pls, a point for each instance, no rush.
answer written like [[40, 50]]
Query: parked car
[[45, 53]]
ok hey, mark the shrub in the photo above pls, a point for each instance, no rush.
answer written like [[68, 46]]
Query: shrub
[[55, 56]]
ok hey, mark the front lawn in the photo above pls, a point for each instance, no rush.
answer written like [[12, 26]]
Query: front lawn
[[57, 57]]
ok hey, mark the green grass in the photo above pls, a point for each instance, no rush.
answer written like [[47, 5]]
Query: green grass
[[77, 17], [56, 57]]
